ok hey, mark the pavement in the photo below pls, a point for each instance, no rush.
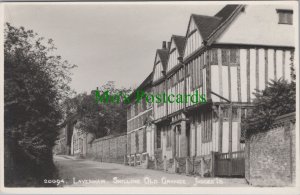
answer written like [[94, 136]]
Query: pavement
[[75, 172]]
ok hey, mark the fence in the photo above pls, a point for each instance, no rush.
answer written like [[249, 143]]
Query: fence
[[201, 165], [229, 165]]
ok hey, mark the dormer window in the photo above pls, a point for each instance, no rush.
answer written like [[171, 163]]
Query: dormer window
[[285, 16]]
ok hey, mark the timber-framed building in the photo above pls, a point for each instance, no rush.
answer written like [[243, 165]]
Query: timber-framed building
[[225, 57]]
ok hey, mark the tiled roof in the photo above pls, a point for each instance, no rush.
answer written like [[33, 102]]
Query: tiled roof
[[163, 55], [179, 42], [208, 24], [144, 84], [226, 11]]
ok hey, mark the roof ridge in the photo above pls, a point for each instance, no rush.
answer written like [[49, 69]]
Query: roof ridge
[[237, 8], [161, 49], [178, 36], [179, 41], [206, 24], [143, 84], [200, 15], [164, 56], [227, 6]]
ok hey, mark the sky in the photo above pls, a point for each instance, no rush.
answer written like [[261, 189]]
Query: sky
[[107, 41]]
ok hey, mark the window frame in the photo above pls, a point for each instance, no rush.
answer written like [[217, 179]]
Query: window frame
[[213, 56], [226, 56], [289, 15]]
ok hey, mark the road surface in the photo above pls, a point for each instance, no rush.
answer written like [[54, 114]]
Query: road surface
[[87, 173]]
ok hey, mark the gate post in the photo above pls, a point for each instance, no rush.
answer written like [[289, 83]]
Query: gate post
[[213, 161], [147, 161], [165, 163], [155, 163], [175, 165], [230, 165], [187, 166], [129, 160], [125, 160], [202, 167], [134, 160]]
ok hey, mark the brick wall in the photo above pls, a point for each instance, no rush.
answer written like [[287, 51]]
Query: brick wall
[[108, 149], [270, 155]]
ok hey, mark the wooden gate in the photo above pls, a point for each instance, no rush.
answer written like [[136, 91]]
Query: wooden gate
[[230, 167]]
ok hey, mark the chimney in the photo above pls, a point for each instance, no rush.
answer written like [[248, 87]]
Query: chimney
[[169, 45], [164, 45]]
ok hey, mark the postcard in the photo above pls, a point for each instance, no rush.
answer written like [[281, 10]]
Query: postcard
[[150, 97]]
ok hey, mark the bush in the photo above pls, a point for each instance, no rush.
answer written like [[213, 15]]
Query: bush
[[35, 82], [277, 99]]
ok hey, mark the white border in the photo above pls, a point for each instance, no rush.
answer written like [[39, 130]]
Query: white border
[[1, 97], [155, 190]]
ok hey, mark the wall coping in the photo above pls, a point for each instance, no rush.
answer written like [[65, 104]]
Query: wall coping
[[283, 119], [280, 121], [108, 137]]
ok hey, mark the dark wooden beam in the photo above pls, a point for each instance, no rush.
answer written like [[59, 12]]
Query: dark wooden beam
[[257, 68], [239, 77], [248, 75], [220, 68], [220, 145], [266, 67], [275, 65], [220, 96], [283, 64], [229, 75]]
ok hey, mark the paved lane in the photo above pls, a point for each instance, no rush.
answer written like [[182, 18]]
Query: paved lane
[[80, 172]]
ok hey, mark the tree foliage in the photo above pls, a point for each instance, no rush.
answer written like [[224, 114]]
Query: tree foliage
[[100, 119], [36, 81], [277, 99]]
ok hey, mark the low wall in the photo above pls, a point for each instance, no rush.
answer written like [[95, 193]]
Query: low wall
[[200, 165], [110, 149], [270, 155]]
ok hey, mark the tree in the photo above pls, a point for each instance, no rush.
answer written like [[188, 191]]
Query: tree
[[278, 98], [100, 119], [36, 81]]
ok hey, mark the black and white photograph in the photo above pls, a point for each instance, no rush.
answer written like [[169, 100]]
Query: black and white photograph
[[150, 97]]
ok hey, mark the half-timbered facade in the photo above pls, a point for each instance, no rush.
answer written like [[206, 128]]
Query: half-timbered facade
[[158, 82], [224, 57], [140, 132]]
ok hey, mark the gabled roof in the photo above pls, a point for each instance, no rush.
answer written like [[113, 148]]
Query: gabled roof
[[143, 85], [226, 11], [179, 42], [163, 55], [227, 15], [209, 25], [146, 82], [206, 24]]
